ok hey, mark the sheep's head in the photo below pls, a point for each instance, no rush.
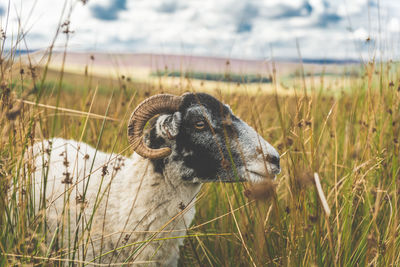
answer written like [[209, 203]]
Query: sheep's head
[[200, 138]]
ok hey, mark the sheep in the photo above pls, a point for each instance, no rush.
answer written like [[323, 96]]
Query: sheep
[[146, 201]]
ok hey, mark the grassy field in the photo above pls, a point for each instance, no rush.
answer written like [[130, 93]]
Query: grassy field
[[348, 135]]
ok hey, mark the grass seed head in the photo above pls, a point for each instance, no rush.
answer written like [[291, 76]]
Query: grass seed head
[[305, 178], [261, 191]]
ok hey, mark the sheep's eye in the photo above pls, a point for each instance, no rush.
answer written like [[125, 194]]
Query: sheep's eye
[[200, 125]]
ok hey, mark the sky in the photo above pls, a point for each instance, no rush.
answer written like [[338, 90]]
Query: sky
[[251, 29]]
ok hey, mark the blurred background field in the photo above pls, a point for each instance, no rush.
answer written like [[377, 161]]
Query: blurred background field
[[338, 119], [205, 73]]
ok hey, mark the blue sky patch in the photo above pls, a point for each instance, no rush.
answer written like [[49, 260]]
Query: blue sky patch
[[244, 27], [328, 19], [109, 12], [169, 7], [289, 11]]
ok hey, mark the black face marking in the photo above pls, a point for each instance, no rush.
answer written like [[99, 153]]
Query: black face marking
[[209, 146], [202, 161], [274, 160]]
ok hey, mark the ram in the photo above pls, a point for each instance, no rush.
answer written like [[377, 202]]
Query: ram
[[116, 208]]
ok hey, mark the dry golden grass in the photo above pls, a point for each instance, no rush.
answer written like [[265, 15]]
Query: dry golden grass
[[349, 137]]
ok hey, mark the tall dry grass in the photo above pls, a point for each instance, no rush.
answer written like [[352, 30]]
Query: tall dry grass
[[350, 138]]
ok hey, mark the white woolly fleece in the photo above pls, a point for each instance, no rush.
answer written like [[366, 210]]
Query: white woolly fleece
[[133, 208]]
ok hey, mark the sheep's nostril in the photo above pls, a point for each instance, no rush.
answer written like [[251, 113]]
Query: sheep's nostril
[[274, 160]]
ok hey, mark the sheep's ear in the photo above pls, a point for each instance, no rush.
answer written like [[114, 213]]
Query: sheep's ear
[[168, 125]]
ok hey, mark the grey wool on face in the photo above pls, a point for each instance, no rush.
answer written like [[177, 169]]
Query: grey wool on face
[[147, 199]]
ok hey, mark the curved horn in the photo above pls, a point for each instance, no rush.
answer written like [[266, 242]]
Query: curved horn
[[162, 103]]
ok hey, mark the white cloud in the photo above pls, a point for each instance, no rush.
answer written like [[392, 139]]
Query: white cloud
[[361, 34], [247, 28], [393, 25]]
